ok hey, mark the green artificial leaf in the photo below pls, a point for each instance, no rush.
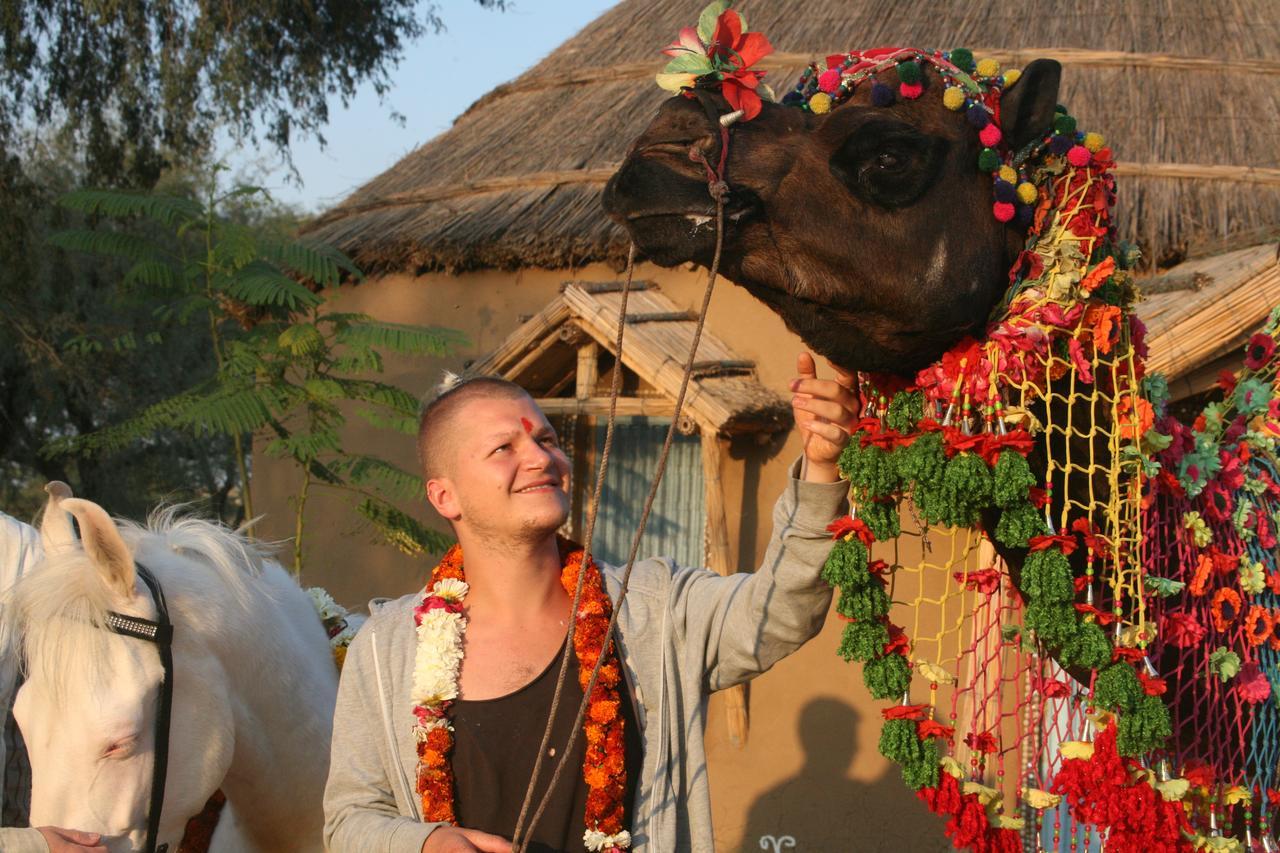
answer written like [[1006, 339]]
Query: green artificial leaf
[[1163, 587], [1224, 663], [707, 20], [689, 63]]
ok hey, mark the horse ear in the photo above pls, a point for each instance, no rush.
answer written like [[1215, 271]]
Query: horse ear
[[104, 546], [56, 533], [1027, 107]]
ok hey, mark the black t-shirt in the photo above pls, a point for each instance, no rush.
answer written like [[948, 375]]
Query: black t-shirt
[[495, 746]]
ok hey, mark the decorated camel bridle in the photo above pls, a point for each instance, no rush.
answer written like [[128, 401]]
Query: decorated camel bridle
[[952, 444]]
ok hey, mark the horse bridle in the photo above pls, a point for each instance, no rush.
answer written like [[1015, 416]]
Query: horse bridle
[[159, 632]]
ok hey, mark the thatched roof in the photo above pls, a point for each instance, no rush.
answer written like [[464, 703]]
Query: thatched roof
[[563, 355], [1187, 92], [1199, 314]]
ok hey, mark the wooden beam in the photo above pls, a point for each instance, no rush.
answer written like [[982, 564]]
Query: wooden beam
[[588, 369], [655, 407], [720, 560]]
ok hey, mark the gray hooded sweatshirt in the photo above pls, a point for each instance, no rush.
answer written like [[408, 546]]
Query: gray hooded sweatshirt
[[683, 633]]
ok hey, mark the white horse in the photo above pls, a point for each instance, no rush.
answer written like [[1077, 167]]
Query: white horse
[[254, 683]]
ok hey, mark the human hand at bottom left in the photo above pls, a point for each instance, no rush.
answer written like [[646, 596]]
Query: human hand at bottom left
[[453, 839], [70, 841]]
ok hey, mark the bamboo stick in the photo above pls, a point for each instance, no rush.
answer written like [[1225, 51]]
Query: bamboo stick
[[720, 560]]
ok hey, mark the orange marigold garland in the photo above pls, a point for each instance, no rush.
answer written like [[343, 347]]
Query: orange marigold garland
[[440, 625]]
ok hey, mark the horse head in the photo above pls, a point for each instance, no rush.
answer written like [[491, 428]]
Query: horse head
[[855, 225], [88, 706], [255, 725]]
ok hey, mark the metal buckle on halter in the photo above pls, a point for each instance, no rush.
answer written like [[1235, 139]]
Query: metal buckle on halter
[[141, 629]]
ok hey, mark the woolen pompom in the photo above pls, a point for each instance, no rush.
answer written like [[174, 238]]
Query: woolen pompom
[[988, 160], [1060, 145], [820, 103], [1079, 156], [1027, 192], [953, 98], [1004, 192], [881, 95], [909, 72], [910, 91], [978, 116], [829, 80], [962, 58], [1003, 211], [990, 135]]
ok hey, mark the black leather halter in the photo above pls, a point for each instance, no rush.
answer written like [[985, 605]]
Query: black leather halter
[[159, 632]]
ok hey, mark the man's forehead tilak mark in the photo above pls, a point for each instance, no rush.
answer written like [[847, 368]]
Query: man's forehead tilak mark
[[527, 424]]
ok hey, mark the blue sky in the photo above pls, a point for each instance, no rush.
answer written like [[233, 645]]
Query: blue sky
[[439, 77]]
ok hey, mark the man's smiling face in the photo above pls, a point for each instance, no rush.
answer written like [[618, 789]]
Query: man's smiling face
[[508, 477]]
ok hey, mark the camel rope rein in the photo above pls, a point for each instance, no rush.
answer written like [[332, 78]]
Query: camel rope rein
[[718, 188]]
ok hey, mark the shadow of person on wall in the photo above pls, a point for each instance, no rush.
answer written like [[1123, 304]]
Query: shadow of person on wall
[[822, 809]]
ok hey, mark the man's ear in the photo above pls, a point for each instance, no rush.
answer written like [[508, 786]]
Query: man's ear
[[1026, 107], [443, 498]]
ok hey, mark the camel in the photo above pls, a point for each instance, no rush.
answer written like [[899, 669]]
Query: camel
[[863, 222]]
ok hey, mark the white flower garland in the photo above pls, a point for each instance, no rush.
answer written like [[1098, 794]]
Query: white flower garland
[[438, 657]]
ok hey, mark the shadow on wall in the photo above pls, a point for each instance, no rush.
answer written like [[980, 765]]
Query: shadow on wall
[[822, 810]]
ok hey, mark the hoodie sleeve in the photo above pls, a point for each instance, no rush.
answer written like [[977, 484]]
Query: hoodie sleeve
[[361, 811], [22, 841], [745, 623]]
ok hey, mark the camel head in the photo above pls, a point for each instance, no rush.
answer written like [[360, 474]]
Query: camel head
[[868, 228]]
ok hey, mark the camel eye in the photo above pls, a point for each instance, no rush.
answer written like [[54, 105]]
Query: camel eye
[[888, 161]]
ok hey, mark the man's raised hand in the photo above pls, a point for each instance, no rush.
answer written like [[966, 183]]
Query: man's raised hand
[[70, 841], [452, 839], [825, 412]]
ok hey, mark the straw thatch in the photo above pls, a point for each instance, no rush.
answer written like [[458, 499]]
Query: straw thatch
[[1199, 314], [1187, 92], [545, 356]]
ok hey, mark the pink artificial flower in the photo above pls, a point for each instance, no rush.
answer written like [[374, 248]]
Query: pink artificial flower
[[1252, 683], [687, 42], [1259, 351], [1180, 628]]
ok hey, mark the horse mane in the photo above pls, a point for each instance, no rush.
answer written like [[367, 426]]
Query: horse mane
[[54, 616]]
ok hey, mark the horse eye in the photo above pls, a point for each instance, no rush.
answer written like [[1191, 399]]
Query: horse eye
[[120, 748]]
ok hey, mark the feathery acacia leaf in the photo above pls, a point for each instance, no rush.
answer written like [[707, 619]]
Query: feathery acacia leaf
[[381, 394], [153, 273], [165, 209], [261, 284], [383, 475], [408, 340], [402, 530], [316, 262], [406, 424], [301, 339], [113, 243]]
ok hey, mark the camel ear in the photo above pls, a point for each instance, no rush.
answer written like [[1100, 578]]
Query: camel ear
[[56, 533], [1026, 107], [104, 546]]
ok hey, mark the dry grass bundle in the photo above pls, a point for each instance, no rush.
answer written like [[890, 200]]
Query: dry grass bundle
[[1175, 85]]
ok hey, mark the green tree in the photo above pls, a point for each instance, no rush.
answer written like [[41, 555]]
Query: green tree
[[142, 84], [287, 367]]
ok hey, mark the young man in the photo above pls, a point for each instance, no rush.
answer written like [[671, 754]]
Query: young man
[[403, 771]]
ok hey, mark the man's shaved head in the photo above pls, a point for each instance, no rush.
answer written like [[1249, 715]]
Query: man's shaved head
[[439, 420]]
